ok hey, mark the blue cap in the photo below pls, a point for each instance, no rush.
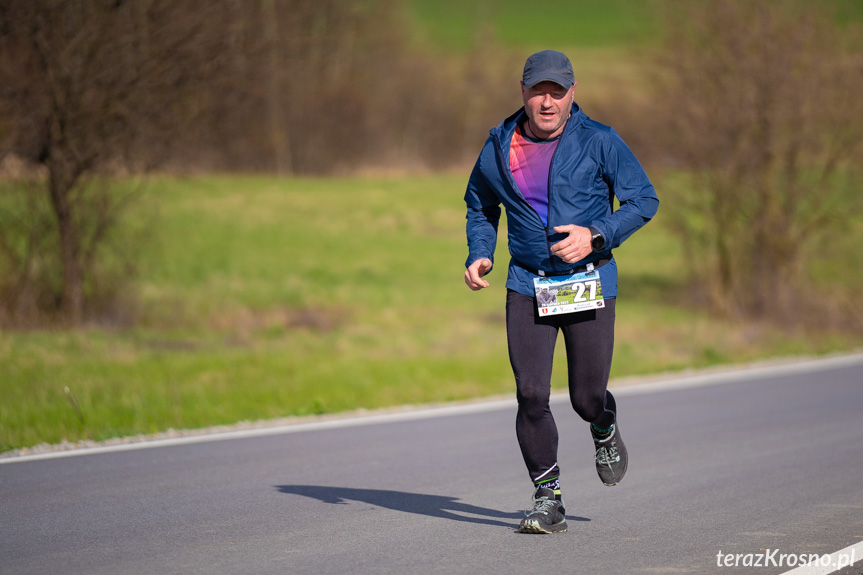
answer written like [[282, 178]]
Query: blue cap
[[550, 66]]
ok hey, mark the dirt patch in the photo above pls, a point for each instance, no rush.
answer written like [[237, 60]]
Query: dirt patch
[[248, 321]]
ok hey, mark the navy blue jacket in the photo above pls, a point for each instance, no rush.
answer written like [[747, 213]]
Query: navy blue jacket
[[591, 166]]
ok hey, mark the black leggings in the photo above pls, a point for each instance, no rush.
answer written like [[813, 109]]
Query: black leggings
[[589, 340]]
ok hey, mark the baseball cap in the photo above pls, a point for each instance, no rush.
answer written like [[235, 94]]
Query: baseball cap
[[548, 65]]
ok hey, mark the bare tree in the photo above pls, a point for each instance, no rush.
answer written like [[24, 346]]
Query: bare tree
[[278, 127], [92, 88], [322, 86], [761, 101], [95, 88]]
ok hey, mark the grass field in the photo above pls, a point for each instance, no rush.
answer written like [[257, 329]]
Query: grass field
[[456, 25], [263, 297]]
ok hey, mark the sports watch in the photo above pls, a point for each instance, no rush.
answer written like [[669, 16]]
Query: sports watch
[[597, 242]]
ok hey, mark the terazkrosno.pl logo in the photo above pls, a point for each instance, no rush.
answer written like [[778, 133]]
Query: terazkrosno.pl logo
[[775, 558]]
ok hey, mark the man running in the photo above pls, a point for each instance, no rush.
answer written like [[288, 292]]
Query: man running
[[556, 172]]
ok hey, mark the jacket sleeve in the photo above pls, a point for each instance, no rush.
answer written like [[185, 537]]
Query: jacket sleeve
[[483, 216], [630, 184]]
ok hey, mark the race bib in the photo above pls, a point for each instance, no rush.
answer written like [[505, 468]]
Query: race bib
[[568, 294]]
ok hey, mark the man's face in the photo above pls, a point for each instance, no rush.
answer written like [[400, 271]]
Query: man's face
[[548, 106]]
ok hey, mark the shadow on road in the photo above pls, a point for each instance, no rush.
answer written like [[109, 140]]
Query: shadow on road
[[421, 504]]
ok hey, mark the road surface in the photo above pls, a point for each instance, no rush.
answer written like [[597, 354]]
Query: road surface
[[740, 464]]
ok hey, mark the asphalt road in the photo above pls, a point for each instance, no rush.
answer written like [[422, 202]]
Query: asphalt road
[[735, 465]]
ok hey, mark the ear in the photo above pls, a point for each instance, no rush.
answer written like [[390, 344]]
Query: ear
[[572, 91]]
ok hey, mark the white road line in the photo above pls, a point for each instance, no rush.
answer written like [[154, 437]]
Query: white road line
[[335, 423], [839, 560], [625, 387]]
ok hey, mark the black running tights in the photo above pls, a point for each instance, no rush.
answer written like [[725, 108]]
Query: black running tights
[[589, 340]]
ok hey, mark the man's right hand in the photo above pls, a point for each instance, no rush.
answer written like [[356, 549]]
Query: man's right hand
[[473, 274]]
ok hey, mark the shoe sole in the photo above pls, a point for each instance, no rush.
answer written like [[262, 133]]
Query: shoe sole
[[533, 526], [616, 482]]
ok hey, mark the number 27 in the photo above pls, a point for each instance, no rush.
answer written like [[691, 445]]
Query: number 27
[[579, 291]]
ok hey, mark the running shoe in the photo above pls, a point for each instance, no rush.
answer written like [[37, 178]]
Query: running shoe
[[611, 456], [547, 516]]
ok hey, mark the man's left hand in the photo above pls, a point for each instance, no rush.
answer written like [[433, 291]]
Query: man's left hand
[[574, 248]]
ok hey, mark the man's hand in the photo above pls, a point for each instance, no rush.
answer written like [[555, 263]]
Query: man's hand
[[574, 248], [473, 274]]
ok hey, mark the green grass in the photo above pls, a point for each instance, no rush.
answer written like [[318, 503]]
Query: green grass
[[458, 25], [263, 298]]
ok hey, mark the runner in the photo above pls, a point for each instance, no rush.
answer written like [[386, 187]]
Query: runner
[[556, 173]]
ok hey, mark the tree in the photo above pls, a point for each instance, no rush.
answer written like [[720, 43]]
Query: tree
[[91, 88], [762, 108]]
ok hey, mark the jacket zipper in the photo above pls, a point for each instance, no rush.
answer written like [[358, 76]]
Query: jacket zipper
[[548, 225]]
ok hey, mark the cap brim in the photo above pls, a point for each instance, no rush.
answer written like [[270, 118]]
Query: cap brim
[[556, 78]]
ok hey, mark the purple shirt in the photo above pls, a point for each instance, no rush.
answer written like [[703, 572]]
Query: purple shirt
[[530, 161]]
